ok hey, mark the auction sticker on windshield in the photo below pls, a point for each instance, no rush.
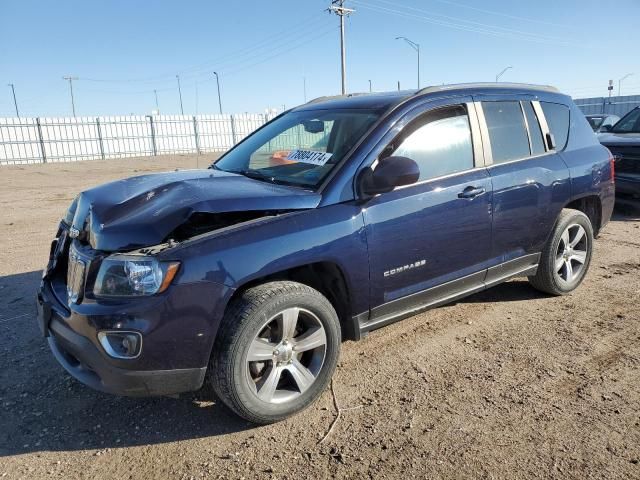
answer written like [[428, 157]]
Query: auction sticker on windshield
[[309, 156]]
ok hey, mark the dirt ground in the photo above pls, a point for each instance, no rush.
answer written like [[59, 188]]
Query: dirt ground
[[508, 383]]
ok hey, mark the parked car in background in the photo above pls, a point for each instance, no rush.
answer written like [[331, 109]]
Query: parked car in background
[[602, 122], [623, 140], [249, 274]]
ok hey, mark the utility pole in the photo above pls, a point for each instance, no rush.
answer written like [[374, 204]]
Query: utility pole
[[180, 93], [416, 47], [337, 7], [621, 80], [304, 88], [196, 98], [15, 103], [70, 79], [155, 92], [502, 73], [219, 99], [370, 86]]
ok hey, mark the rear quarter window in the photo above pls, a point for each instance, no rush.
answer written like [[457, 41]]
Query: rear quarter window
[[557, 116]]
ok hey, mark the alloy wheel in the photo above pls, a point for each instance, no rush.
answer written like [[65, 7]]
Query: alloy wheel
[[286, 356], [571, 254]]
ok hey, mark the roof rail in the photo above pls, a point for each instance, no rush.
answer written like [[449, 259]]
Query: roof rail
[[335, 97], [460, 86]]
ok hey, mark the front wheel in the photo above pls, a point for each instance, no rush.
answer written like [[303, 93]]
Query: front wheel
[[566, 257], [276, 351]]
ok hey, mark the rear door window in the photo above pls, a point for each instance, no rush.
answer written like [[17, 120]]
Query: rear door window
[[507, 130], [557, 116], [535, 133]]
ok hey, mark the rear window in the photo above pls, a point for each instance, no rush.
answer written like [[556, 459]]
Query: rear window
[[595, 122], [507, 131], [557, 116]]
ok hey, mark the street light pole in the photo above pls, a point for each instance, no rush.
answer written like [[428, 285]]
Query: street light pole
[[219, 99], [416, 47], [15, 103], [502, 73], [621, 80], [70, 79], [180, 93], [370, 86], [155, 92]]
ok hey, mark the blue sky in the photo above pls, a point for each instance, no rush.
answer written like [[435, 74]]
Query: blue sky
[[264, 49]]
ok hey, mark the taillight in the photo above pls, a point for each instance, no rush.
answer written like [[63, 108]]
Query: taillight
[[612, 162]]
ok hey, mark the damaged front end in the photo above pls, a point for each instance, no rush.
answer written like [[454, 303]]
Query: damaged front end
[[153, 209]]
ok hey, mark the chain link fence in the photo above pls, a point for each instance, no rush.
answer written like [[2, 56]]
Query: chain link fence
[[44, 140]]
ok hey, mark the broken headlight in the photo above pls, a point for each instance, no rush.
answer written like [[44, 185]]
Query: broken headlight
[[133, 275]]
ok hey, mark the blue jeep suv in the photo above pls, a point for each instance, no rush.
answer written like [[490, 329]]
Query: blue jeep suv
[[334, 219]]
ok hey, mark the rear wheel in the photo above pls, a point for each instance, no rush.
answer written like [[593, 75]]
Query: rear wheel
[[565, 259], [276, 351]]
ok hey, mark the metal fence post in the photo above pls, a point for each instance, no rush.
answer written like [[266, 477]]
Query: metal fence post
[[153, 135], [42, 152], [233, 130], [195, 134], [100, 138]]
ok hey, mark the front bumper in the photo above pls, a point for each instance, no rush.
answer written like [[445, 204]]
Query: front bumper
[[80, 358], [178, 336]]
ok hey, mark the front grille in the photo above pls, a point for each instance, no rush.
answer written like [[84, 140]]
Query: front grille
[[627, 159], [76, 272]]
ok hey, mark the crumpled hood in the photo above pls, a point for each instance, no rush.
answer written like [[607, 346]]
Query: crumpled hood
[[619, 139], [142, 211]]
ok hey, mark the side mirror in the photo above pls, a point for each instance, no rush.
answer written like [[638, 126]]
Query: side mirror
[[605, 128], [391, 172]]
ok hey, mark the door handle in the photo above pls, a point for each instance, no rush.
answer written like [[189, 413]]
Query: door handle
[[471, 192]]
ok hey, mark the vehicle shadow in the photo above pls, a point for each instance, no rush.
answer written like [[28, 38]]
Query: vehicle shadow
[[45, 409], [512, 291]]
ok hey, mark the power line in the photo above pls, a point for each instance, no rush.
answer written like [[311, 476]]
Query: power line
[[238, 64], [470, 26], [502, 14], [282, 37], [472, 22], [295, 46]]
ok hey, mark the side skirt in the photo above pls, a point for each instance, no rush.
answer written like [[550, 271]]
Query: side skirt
[[410, 305]]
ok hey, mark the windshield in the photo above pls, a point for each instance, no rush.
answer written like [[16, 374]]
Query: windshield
[[299, 148], [630, 123], [595, 122]]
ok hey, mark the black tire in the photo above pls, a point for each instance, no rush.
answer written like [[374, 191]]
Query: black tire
[[552, 280], [229, 371]]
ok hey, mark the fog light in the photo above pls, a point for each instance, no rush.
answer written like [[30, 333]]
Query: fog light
[[119, 344]]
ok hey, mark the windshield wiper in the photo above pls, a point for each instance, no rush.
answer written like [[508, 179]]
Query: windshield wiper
[[255, 174]]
